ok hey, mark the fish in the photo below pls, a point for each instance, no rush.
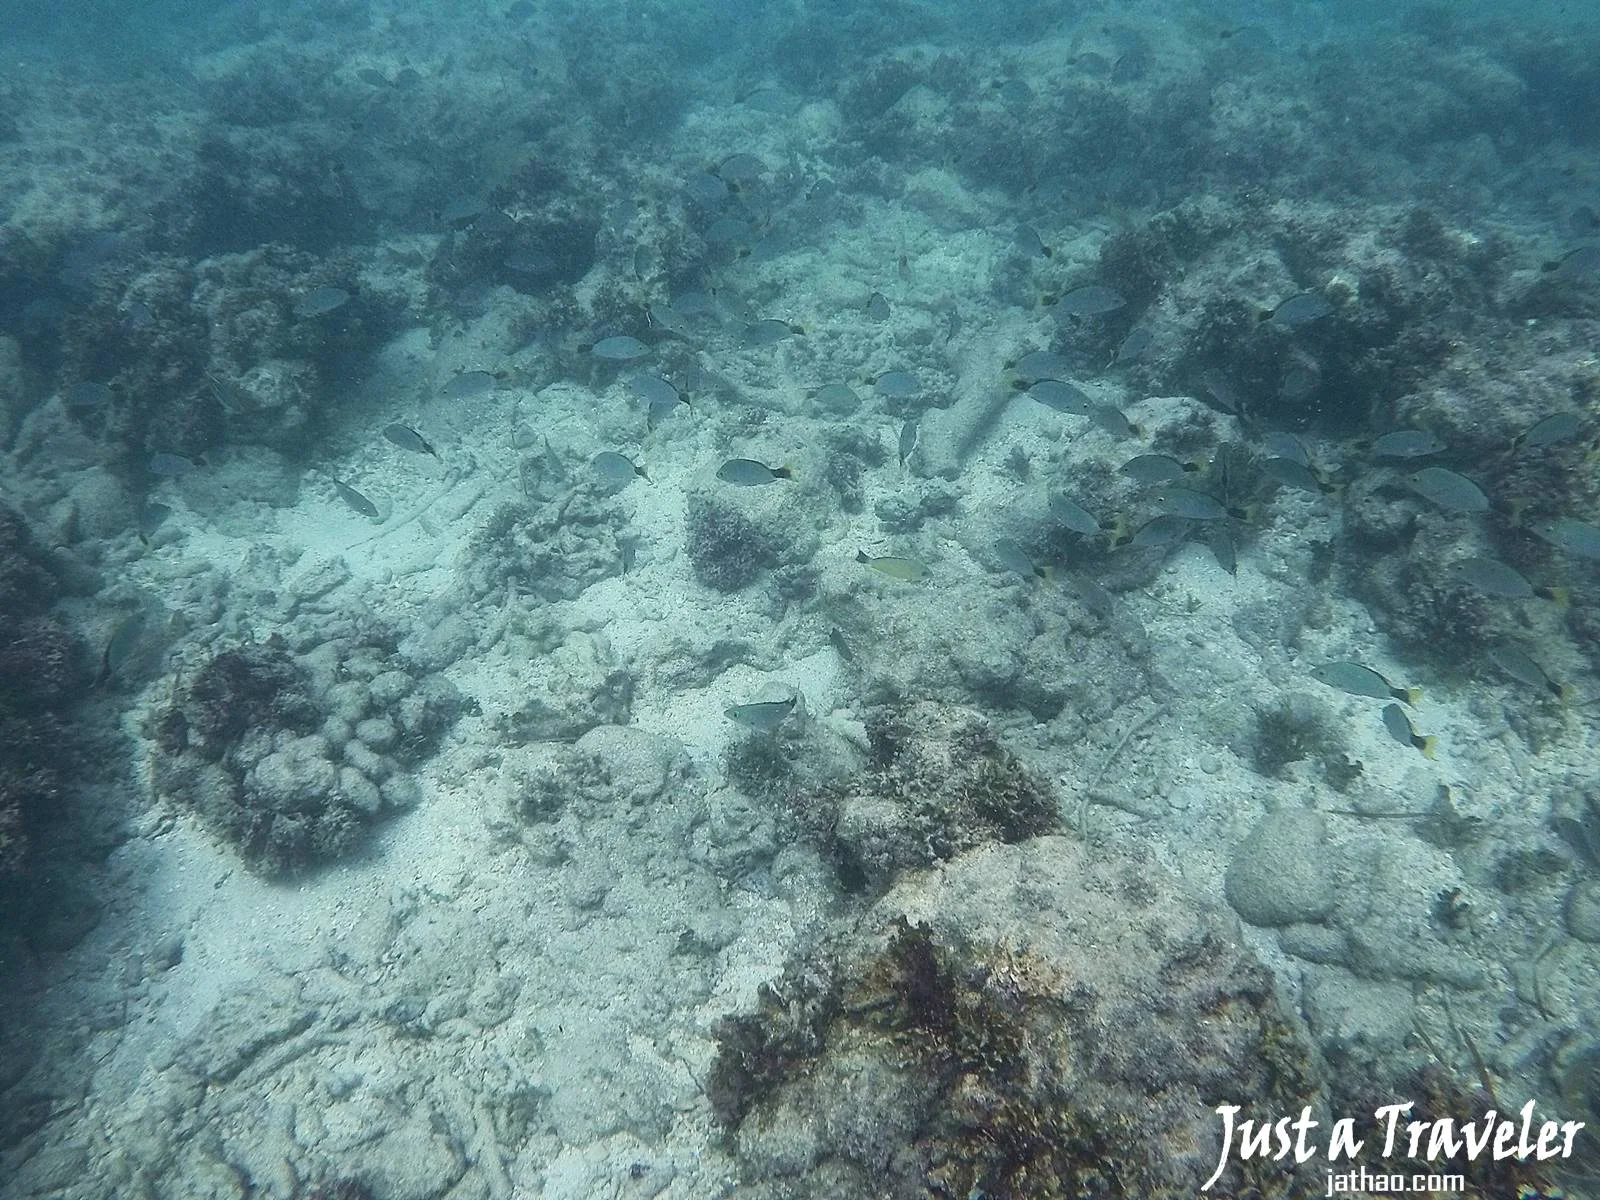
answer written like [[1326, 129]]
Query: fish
[[1524, 669], [124, 640], [1012, 557], [1448, 490], [467, 385], [661, 398], [1577, 538], [320, 301], [706, 190], [906, 570], [1063, 397], [1091, 300], [1406, 443], [741, 167], [1286, 446], [908, 440], [462, 212], [87, 396], [878, 307], [763, 716], [1497, 579], [1292, 474], [1155, 468], [619, 348], [897, 385], [1029, 241], [1192, 505], [1300, 309], [1114, 421], [1133, 347], [1557, 427], [356, 500], [172, 466], [770, 330], [529, 260], [408, 438], [1160, 532], [952, 325], [838, 399], [747, 472], [151, 517], [1401, 730], [615, 469], [669, 320], [1072, 515], [1220, 538], [1091, 595], [1517, 664], [1040, 364], [659, 411], [1223, 392], [1575, 264], [653, 390], [771, 100], [690, 305], [731, 231], [1357, 680]]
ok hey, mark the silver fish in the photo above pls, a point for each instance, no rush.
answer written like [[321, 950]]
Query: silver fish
[[1063, 397], [1091, 300], [1407, 443], [356, 500], [1072, 515], [619, 348], [408, 438], [908, 440], [1299, 309], [747, 472], [762, 716], [1450, 491]]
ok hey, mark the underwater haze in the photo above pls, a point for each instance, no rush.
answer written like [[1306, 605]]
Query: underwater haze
[[902, 601]]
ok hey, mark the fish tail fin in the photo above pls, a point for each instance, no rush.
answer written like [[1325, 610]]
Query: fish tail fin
[[1427, 743], [784, 472], [1411, 695], [1565, 693], [1559, 596], [863, 557]]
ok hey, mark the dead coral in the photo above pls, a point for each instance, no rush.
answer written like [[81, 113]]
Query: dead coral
[[937, 782], [289, 762], [933, 1055]]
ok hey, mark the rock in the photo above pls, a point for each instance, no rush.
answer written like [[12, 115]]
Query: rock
[[1279, 873], [1583, 910], [933, 1050]]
